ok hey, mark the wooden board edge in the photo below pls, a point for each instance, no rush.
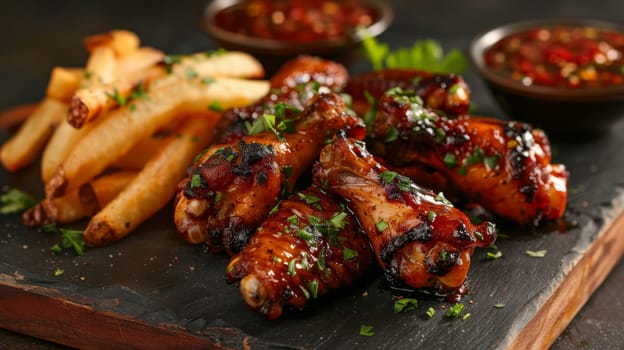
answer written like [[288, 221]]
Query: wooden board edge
[[29, 310], [574, 291]]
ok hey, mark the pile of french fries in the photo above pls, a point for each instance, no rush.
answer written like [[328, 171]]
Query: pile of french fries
[[116, 136]]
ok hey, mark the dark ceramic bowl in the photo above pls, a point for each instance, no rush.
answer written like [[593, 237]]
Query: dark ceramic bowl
[[272, 52], [561, 111]]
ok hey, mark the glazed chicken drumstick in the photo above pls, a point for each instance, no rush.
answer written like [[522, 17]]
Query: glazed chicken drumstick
[[420, 240], [309, 246], [504, 166], [232, 187]]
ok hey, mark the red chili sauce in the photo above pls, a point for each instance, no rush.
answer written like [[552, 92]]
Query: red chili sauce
[[296, 20], [563, 56]]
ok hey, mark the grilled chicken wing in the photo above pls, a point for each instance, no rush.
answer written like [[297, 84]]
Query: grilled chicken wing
[[310, 246], [293, 85], [420, 239], [504, 166], [448, 93], [232, 187]]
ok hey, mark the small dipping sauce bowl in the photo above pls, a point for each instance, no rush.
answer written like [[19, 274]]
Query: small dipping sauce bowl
[[276, 30], [563, 75]]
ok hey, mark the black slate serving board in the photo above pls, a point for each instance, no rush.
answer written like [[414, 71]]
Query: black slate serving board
[[153, 290]]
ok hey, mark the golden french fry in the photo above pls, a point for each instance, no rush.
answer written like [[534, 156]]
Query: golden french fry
[[79, 204], [227, 64], [154, 186], [12, 117], [23, 147], [121, 41], [127, 126], [64, 82], [89, 102], [62, 142], [140, 154]]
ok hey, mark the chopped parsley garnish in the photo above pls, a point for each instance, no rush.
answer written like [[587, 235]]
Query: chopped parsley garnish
[[117, 97], [493, 255], [405, 304], [443, 255], [293, 220], [208, 80], [309, 199], [16, 201], [320, 262], [455, 310], [499, 305], [537, 253], [369, 116], [381, 226], [190, 73], [139, 92], [196, 181], [430, 312], [491, 162], [348, 254], [431, 216], [391, 177], [466, 316], [450, 160], [366, 330], [215, 107], [306, 293], [171, 60], [58, 272], [392, 134], [440, 198], [56, 249], [338, 220], [475, 157], [313, 288], [87, 75], [305, 234], [73, 239], [291, 267]]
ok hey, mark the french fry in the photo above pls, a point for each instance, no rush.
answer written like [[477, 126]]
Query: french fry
[[26, 144], [62, 142], [121, 41], [12, 117], [88, 103], [127, 126], [140, 154], [79, 204], [64, 82], [227, 64], [154, 186]]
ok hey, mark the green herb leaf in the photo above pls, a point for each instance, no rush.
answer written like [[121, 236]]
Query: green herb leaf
[[430, 312], [73, 239], [405, 304], [348, 254], [392, 134], [431, 216], [366, 330], [190, 73], [117, 97], [493, 255], [455, 310], [309, 199], [196, 181], [491, 162], [208, 80], [381, 226], [440, 198], [466, 316], [215, 107], [499, 305], [450, 160], [313, 288], [58, 272], [56, 249], [338, 220], [291, 267], [537, 253], [16, 201]]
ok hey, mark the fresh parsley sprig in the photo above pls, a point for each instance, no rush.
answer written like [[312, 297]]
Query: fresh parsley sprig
[[424, 55]]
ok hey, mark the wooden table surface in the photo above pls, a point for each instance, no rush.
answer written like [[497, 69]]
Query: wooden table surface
[[37, 35]]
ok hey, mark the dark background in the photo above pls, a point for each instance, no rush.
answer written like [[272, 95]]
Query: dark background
[[37, 35]]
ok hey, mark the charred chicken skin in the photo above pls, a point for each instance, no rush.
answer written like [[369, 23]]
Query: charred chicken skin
[[447, 93], [308, 247], [420, 240], [232, 187], [504, 166], [293, 85]]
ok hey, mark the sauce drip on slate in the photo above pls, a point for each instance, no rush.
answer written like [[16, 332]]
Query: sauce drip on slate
[[562, 56], [297, 20]]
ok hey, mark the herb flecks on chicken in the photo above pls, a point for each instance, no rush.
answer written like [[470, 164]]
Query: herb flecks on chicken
[[309, 246], [420, 239]]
